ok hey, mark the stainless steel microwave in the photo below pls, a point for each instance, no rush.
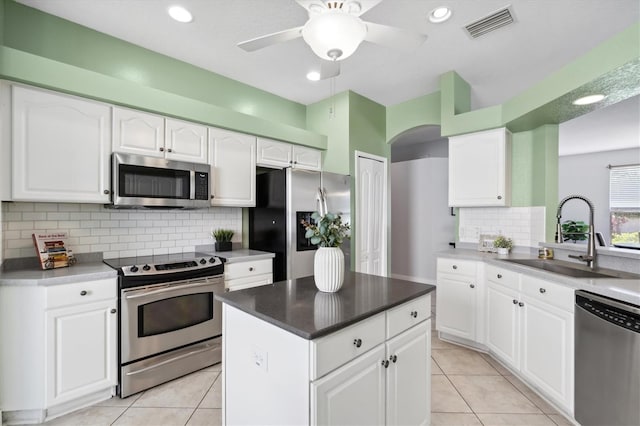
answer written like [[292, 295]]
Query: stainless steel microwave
[[139, 181]]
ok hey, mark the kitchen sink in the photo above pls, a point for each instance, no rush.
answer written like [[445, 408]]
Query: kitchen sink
[[572, 270]]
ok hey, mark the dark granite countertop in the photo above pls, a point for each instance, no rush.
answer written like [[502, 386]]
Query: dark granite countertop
[[298, 307]]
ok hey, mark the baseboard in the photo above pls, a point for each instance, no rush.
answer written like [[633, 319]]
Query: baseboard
[[82, 402], [23, 417]]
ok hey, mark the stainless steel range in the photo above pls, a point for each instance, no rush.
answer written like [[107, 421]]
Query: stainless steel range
[[170, 322]]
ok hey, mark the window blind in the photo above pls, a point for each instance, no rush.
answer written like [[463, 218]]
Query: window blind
[[624, 187]]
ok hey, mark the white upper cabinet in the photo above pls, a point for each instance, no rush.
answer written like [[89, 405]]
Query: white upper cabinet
[[141, 133], [480, 169], [233, 168], [137, 132], [185, 141], [277, 154], [61, 148]]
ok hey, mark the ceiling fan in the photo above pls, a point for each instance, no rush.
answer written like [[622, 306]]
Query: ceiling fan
[[334, 31]]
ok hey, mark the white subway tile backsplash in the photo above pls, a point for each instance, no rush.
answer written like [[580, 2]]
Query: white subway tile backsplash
[[525, 225], [93, 228]]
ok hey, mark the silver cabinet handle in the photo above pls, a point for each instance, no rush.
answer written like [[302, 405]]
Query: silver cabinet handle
[[83, 293], [515, 302], [251, 269], [455, 266], [169, 150], [499, 275], [357, 342], [543, 290], [472, 285], [161, 149], [106, 192], [113, 311], [499, 197], [521, 304]]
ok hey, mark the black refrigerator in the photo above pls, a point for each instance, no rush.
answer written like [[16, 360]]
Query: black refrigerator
[[283, 198]]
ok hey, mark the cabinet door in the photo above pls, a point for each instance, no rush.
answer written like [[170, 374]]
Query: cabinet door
[[547, 350], [479, 169], [503, 322], [409, 377], [81, 350], [307, 158], [61, 148], [354, 394], [185, 141], [274, 154], [233, 168], [456, 305], [138, 132]]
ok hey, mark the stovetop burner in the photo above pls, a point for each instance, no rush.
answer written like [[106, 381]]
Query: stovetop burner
[[165, 264]]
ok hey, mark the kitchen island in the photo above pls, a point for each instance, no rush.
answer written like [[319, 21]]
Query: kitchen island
[[293, 355]]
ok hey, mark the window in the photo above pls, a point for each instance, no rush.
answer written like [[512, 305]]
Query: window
[[624, 205]]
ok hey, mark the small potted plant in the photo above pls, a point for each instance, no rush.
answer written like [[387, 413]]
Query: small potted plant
[[328, 232], [503, 244], [575, 230], [223, 239]]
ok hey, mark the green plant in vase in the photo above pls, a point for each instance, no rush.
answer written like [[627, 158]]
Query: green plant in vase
[[503, 244], [223, 239]]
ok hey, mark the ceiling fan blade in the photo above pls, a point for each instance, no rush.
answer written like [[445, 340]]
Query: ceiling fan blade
[[365, 5], [270, 39], [395, 38], [329, 69]]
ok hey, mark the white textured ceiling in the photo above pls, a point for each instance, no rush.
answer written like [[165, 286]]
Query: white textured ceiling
[[547, 35]]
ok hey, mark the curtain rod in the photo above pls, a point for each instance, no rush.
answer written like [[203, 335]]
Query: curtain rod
[[610, 166]]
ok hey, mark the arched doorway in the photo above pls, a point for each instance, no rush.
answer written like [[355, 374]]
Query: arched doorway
[[421, 221]]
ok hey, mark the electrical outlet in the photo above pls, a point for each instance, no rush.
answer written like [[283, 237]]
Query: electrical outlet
[[259, 358]]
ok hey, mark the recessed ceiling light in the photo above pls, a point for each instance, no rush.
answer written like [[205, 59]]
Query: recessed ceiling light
[[180, 14], [439, 14], [591, 99], [313, 76]]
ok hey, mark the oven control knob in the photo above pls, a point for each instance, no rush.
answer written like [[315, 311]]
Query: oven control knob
[[203, 261], [146, 267], [212, 260], [134, 268]]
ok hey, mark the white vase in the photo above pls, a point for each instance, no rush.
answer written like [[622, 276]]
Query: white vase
[[503, 251], [328, 269]]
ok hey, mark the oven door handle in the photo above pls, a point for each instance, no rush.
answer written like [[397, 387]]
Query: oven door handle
[[168, 361], [169, 288]]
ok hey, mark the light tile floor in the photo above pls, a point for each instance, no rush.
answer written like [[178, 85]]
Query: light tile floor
[[467, 387]]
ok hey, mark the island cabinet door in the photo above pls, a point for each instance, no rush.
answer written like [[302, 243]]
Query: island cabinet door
[[408, 377], [354, 394]]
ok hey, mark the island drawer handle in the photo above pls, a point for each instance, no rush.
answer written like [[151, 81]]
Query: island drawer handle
[[83, 293], [357, 342], [543, 290], [393, 358], [455, 266], [499, 275], [515, 302], [521, 304], [250, 268], [414, 314], [472, 285]]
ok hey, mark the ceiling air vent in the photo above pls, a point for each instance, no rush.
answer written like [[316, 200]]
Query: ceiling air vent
[[490, 23]]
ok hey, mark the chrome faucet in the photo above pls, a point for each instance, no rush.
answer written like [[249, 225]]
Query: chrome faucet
[[590, 257]]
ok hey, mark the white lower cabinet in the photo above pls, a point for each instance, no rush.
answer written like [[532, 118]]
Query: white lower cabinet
[[63, 356], [390, 383], [530, 327], [460, 302], [247, 274], [81, 355], [374, 372]]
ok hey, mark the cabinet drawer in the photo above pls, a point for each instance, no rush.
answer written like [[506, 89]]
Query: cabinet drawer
[[248, 282], [456, 266], [548, 292], [407, 315], [233, 271], [503, 277], [78, 293], [334, 350]]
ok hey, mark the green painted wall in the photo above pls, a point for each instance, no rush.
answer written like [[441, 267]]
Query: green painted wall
[[336, 127], [47, 51], [422, 111]]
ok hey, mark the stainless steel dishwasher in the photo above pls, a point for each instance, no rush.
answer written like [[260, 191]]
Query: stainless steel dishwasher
[[607, 354]]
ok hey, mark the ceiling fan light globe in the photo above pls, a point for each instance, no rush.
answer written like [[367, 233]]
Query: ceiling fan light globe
[[334, 31]]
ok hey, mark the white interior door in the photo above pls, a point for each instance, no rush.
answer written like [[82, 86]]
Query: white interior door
[[371, 213]]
